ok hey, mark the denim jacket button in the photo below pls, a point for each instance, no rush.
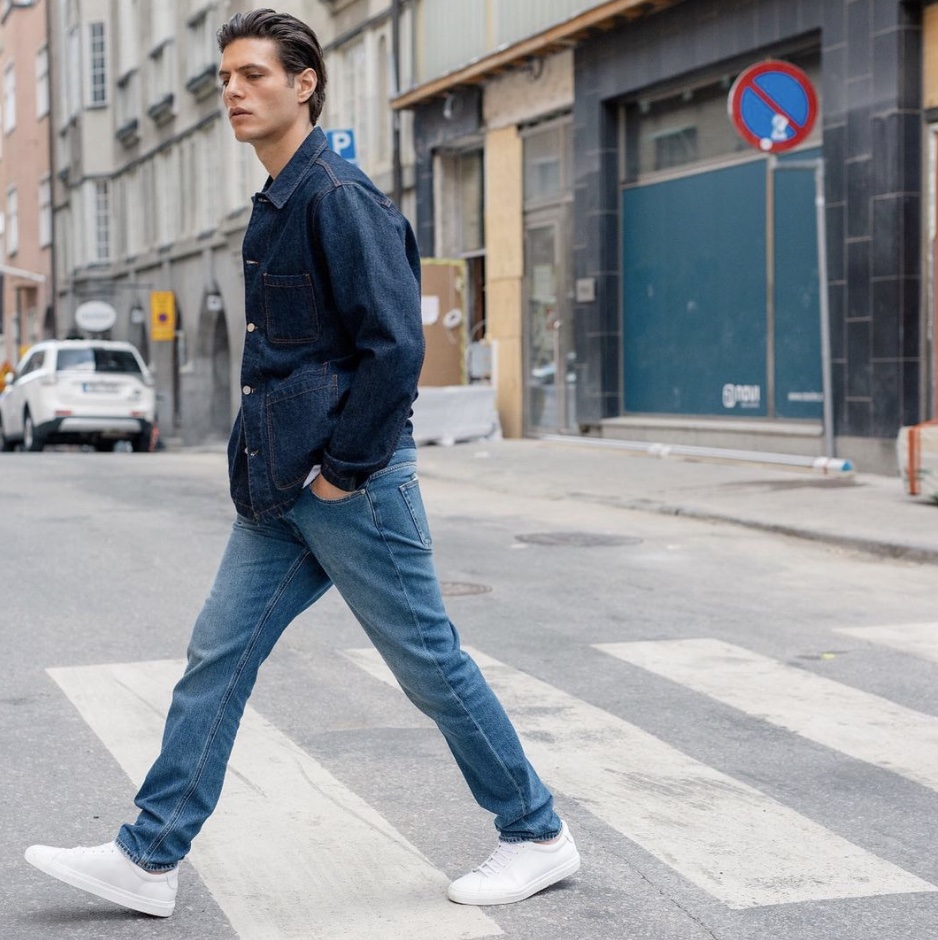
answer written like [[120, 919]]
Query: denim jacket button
[[251, 328], [247, 389]]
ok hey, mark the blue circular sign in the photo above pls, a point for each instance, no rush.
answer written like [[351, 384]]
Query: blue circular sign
[[773, 105]]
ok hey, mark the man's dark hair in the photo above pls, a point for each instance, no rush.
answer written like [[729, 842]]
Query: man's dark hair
[[297, 46]]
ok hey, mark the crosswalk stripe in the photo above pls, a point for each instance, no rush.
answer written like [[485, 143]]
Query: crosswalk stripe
[[722, 835], [919, 639], [864, 726], [290, 852]]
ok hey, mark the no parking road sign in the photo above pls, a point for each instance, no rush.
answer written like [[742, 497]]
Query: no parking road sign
[[773, 105]]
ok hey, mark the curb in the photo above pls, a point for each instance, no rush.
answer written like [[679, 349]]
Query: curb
[[879, 548]]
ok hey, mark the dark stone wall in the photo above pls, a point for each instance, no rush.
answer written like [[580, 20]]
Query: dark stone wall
[[871, 105]]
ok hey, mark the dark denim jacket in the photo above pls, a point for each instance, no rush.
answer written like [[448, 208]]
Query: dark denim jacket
[[334, 341]]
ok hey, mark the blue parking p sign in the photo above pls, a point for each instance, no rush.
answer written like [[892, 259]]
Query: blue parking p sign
[[342, 141]]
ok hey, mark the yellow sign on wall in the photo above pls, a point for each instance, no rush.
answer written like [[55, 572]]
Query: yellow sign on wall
[[162, 315]]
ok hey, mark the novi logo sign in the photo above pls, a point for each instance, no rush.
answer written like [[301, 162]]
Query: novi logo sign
[[746, 396]]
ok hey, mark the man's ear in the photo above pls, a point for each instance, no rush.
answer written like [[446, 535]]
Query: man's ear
[[306, 83]]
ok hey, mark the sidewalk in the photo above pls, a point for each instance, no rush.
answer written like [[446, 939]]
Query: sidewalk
[[862, 511]]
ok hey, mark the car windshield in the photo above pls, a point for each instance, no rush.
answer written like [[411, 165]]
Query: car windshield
[[96, 359]]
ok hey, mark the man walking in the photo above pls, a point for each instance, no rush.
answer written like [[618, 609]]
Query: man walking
[[322, 466]]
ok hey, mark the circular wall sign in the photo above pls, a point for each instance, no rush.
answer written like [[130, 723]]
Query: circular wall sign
[[773, 106], [96, 316]]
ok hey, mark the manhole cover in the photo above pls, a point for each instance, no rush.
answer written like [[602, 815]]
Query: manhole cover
[[462, 588], [577, 539]]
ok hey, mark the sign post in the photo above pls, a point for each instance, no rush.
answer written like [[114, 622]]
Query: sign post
[[773, 107]]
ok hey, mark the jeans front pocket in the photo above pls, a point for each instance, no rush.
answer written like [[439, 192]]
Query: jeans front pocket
[[410, 491]]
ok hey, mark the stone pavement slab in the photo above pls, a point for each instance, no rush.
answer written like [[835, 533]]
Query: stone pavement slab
[[856, 510]]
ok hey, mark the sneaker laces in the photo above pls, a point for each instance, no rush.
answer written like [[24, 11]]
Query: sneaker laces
[[500, 859]]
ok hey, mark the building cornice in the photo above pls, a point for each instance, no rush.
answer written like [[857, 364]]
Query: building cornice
[[601, 18]]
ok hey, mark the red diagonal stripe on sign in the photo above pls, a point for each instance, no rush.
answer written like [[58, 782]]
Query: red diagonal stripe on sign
[[778, 109]]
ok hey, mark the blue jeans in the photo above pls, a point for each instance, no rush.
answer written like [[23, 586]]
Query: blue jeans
[[374, 545]]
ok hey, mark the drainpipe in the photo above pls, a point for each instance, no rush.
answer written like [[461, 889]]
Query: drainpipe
[[396, 114], [52, 296]]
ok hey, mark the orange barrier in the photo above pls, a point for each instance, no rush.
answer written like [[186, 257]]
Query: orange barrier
[[914, 456]]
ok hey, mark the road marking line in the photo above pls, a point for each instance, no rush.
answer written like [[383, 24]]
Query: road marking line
[[724, 836], [290, 852], [919, 639], [864, 726]]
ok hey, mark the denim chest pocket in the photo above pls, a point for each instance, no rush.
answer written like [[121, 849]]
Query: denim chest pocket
[[290, 308]]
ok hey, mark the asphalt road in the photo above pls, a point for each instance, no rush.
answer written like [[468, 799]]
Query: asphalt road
[[741, 729]]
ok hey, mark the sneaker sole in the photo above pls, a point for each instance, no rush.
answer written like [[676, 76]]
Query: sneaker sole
[[545, 881], [100, 889]]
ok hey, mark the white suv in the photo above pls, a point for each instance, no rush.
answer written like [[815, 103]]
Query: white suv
[[93, 392]]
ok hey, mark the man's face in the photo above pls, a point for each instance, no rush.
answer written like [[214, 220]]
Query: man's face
[[263, 105]]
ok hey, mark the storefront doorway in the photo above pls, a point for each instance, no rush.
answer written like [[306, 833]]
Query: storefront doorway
[[550, 374], [549, 352]]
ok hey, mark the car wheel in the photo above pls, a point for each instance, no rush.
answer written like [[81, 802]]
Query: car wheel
[[31, 440], [141, 444]]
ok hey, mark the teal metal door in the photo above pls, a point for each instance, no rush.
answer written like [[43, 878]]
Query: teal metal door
[[796, 301], [693, 267], [701, 333]]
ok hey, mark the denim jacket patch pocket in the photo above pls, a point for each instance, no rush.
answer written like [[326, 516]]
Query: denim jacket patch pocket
[[290, 308], [301, 415]]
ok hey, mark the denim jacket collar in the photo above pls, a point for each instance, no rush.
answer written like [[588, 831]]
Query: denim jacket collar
[[278, 191]]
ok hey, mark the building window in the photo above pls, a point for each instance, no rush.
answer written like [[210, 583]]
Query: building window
[[9, 98], [168, 194], [681, 128], [471, 202], [133, 213], [384, 101], [162, 20], [45, 212], [206, 148], [102, 220], [42, 82], [675, 147], [161, 100], [200, 51], [351, 94], [128, 36], [128, 99], [548, 162], [97, 65], [13, 221]]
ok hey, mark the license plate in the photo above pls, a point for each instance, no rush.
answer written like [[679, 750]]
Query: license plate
[[100, 387]]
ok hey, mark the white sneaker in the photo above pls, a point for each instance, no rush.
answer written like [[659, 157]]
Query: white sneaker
[[516, 870], [106, 872]]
